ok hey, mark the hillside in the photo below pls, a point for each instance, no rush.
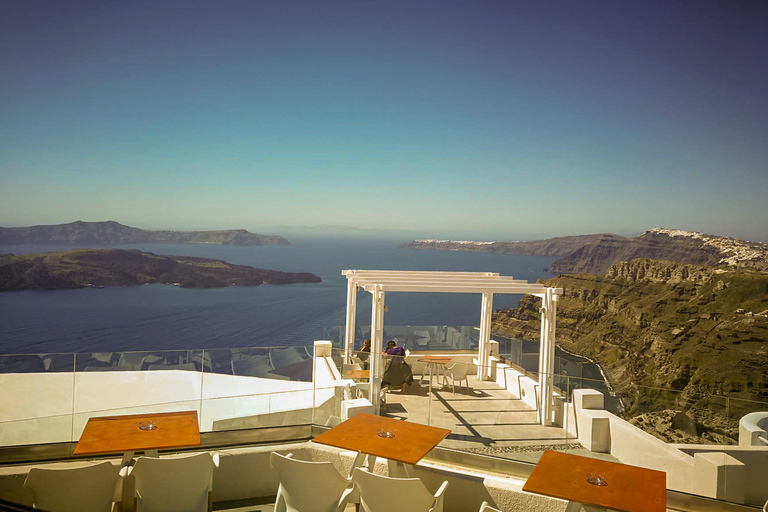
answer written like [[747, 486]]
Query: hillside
[[82, 268], [673, 338], [594, 254], [560, 246], [111, 232]]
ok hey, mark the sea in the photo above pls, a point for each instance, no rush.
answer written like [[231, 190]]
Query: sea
[[166, 317]]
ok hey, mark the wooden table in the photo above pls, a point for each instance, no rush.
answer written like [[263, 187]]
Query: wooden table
[[629, 489], [409, 444], [432, 363], [109, 434], [359, 374]]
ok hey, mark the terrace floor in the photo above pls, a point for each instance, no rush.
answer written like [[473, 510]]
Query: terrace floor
[[483, 418]]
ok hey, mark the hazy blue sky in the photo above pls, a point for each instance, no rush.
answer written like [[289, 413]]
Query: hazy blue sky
[[498, 119]]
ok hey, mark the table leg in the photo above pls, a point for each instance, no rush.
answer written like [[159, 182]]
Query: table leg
[[127, 458], [398, 469], [575, 506]]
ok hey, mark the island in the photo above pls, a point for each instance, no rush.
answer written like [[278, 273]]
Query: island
[[83, 268], [111, 232]]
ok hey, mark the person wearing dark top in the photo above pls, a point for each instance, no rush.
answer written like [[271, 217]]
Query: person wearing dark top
[[364, 352], [394, 350], [398, 373]]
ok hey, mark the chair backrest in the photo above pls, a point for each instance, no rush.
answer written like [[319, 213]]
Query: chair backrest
[[308, 486], [84, 489], [174, 484], [385, 494], [485, 507], [458, 370]]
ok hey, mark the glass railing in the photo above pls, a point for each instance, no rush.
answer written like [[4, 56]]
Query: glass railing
[[494, 411], [49, 398]]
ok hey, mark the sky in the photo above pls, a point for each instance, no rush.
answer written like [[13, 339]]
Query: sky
[[475, 119]]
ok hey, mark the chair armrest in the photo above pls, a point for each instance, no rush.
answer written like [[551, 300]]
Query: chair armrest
[[439, 497]]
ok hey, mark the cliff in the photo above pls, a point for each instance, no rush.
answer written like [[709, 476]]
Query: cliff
[[659, 243], [111, 232], [560, 246], [82, 268], [673, 338]]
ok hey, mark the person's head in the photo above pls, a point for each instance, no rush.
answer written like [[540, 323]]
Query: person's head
[[367, 342], [391, 344]]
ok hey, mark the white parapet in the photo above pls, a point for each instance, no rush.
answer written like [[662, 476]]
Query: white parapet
[[753, 427], [718, 475]]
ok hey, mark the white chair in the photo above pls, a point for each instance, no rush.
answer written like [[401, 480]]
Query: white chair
[[310, 486], [85, 489], [457, 372], [174, 484], [485, 507], [385, 494]]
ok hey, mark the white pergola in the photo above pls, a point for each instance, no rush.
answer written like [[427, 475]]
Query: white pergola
[[377, 282]]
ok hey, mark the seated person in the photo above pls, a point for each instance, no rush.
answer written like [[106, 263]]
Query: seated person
[[394, 350], [397, 373], [364, 352]]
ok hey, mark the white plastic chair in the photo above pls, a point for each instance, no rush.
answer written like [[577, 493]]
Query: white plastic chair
[[310, 486], [85, 489], [457, 372], [385, 494], [485, 507], [174, 484]]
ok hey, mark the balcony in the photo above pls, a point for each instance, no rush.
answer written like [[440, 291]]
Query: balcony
[[251, 401]]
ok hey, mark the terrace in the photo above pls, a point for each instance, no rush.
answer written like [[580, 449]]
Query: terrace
[[251, 402]]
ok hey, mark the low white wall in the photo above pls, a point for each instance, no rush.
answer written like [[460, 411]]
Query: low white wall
[[754, 459]]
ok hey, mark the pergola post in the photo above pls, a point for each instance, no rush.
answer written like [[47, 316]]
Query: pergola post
[[547, 356], [349, 329], [377, 334], [484, 348]]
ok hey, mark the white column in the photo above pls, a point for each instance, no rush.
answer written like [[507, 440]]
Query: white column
[[349, 329], [546, 357], [484, 349], [377, 334]]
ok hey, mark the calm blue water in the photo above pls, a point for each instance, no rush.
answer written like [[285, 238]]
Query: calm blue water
[[161, 317]]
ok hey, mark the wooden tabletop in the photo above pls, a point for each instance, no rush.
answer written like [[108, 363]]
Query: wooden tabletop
[[359, 374], [411, 441], [435, 359], [109, 434], [629, 489]]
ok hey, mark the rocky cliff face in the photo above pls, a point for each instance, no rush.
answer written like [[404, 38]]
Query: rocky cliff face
[[664, 244], [672, 337], [111, 232], [560, 246]]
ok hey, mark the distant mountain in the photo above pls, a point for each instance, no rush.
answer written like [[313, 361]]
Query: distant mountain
[[81, 268], [560, 246], [111, 232], [594, 254]]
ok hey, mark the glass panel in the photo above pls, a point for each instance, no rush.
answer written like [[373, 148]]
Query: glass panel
[[37, 397]]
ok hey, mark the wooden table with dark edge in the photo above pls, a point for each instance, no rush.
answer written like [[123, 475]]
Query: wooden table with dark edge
[[359, 374], [110, 434], [409, 444], [629, 489]]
